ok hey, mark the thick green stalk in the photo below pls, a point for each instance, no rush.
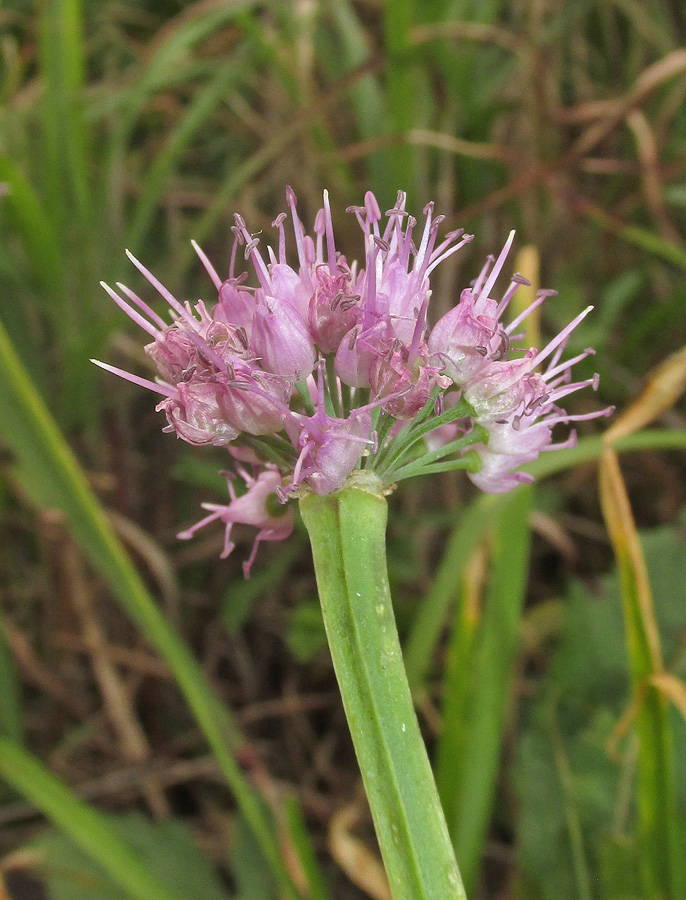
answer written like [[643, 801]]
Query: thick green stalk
[[348, 535]]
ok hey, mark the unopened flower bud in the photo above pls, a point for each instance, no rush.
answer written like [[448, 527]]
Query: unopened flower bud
[[282, 340]]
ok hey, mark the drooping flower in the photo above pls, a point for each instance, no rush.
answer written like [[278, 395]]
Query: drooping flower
[[321, 367], [258, 507]]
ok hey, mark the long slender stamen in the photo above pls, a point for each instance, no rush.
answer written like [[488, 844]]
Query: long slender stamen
[[297, 468], [209, 268], [495, 271], [421, 253], [517, 281], [571, 441], [476, 287], [557, 355], [278, 223], [558, 393], [393, 229], [540, 298], [142, 305], [369, 295], [297, 226], [237, 239], [580, 417], [449, 239], [562, 336], [418, 332], [468, 238], [188, 533], [159, 287], [164, 389], [319, 229], [251, 251], [407, 245], [130, 311], [567, 364], [330, 242]]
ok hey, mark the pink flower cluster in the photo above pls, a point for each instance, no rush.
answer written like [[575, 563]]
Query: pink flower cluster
[[325, 367]]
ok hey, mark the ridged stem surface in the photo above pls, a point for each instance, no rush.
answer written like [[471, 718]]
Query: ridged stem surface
[[348, 536]]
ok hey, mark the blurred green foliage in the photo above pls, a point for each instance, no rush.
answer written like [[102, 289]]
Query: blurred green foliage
[[574, 768], [143, 124]]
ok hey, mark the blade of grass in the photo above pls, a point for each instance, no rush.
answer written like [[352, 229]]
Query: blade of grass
[[666, 383], [87, 828], [431, 613], [459, 681], [11, 721], [634, 234], [401, 95], [580, 863], [171, 49], [52, 477], [590, 449], [477, 99], [300, 841], [480, 682], [660, 861], [169, 55], [476, 519], [366, 96], [28, 218], [156, 178], [64, 134], [673, 689]]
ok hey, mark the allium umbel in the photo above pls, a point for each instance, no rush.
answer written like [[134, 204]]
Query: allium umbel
[[323, 368]]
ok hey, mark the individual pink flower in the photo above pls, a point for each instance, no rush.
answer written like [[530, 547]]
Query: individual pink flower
[[281, 339], [527, 429], [195, 415], [330, 449], [464, 338], [237, 307], [253, 403], [258, 507], [357, 353]]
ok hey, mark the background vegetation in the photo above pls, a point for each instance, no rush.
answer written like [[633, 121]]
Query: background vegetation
[[548, 663]]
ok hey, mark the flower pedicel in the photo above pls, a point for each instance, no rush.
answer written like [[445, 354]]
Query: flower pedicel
[[325, 370]]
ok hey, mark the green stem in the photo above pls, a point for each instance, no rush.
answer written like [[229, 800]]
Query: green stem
[[345, 394], [348, 535], [470, 462], [302, 388], [332, 383], [405, 440]]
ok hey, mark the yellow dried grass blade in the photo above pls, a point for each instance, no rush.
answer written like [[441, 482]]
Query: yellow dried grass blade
[[661, 864], [672, 688], [646, 655], [528, 264], [358, 862], [666, 383]]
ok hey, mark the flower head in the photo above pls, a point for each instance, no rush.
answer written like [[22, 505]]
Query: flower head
[[322, 367]]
